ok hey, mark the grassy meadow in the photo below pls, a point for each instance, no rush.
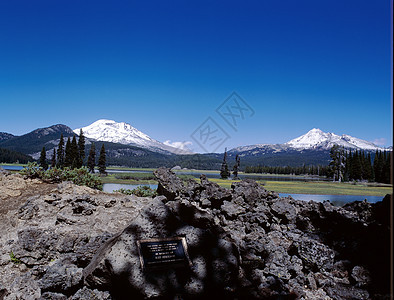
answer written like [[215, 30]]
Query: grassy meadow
[[295, 187]]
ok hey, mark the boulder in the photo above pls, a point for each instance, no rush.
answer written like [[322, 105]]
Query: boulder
[[116, 266], [69, 242]]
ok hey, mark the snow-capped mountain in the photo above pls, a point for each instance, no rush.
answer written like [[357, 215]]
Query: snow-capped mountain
[[316, 138], [124, 133]]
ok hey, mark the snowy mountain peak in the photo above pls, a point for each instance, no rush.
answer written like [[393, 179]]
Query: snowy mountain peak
[[123, 133], [316, 138]]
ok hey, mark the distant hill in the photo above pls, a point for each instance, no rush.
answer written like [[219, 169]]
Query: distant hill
[[34, 141], [5, 136], [10, 156]]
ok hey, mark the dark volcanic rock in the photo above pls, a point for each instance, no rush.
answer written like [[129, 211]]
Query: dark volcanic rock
[[169, 185], [244, 243], [116, 266]]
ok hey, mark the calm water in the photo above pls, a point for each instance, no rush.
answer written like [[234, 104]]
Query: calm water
[[337, 200], [11, 168]]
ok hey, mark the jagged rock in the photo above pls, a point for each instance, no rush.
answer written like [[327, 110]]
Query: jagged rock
[[117, 266], [169, 184], [61, 277], [71, 242], [361, 276], [28, 210], [250, 191], [88, 294], [4, 172], [315, 255], [213, 192], [53, 296], [285, 210], [232, 209]]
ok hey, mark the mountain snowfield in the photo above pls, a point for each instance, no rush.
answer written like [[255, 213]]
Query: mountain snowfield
[[316, 138], [124, 133], [313, 139]]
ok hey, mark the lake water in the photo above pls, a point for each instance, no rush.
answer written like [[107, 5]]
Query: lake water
[[11, 168], [337, 200]]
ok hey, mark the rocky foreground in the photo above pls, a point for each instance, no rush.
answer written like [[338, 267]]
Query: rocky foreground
[[62, 241]]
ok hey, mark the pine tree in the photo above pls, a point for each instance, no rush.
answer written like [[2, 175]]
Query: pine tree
[[378, 166], [75, 156], [356, 166], [68, 155], [236, 166], [338, 162], [101, 162], [43, 159], [60, 152], [92, 158], [81, 146], [53, 160], [350, 165], [368, 168], [224, 172], [386, 167]]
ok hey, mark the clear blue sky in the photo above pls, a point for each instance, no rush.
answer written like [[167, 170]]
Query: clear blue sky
[[165, 66]]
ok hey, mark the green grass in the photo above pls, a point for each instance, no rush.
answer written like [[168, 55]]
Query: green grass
[[295, 187], [137, 178], [130, 169], [317, 187], [327, 188], [14, 259]]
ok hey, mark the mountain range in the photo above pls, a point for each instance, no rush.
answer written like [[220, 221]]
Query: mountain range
[[126, 145], [314, 139], [124, 133]]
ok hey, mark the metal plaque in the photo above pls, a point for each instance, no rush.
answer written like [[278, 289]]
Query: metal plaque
[[163, 253]]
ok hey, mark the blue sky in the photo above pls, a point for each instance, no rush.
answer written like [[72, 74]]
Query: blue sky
[[166, 66]]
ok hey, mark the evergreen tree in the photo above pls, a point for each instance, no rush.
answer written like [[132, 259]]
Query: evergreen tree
[[378, 166], [236, 166], [43, 159], [356, 166], [368, 168], [68, 155], [53, 160], [75, 155], [60, 152], [224, 172], [337, 164], [81, 146], [92, 158], [101, 161], [385, 177]]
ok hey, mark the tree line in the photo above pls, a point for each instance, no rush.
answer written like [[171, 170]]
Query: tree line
[[10, 156], [72, 155], [345, 165], [348, 165], [288, 170]]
